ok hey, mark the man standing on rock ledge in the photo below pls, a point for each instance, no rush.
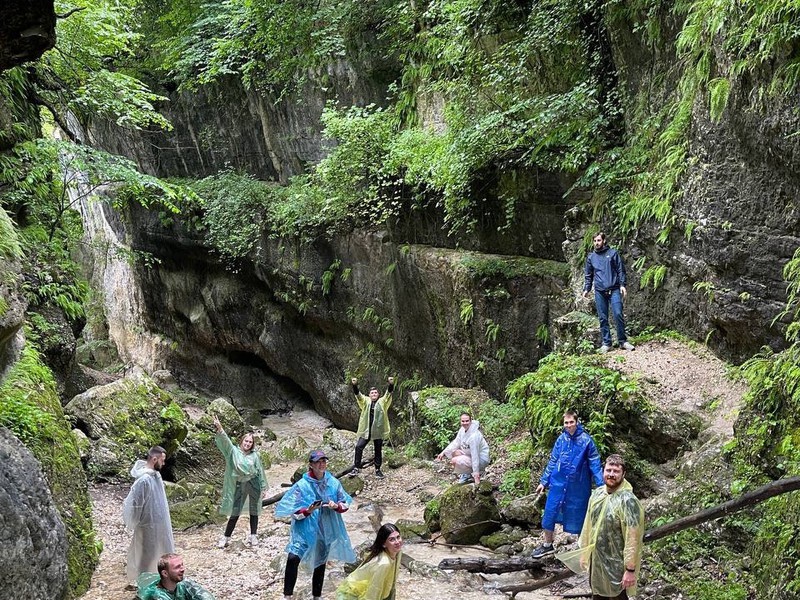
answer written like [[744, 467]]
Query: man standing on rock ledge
[[606, 272], [611, 538], [146, 512], [373, 424]]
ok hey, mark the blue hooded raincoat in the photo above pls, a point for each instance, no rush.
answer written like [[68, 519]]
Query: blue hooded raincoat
[[321, 536], [574, 461]]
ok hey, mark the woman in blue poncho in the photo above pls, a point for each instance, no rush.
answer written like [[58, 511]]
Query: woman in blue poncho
[[315, 503], [574, 464]]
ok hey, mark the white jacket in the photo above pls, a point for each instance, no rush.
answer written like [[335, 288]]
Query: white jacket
[[472, 443]]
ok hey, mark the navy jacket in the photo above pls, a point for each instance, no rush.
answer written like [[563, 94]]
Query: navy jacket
[[605, 269]]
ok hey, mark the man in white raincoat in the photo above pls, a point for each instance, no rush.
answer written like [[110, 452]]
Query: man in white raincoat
[[146, 513], [468, 452], [611, 538]]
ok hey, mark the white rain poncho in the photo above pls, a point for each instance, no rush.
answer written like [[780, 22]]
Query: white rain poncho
[[320, 536], [610, 539], [244, 479], [374, 580], [146, 513], [473, 444]]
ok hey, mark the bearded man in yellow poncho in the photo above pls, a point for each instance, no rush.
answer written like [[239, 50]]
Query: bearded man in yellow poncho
[[611, 537]]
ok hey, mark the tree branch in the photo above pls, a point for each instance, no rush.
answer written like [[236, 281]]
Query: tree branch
[[69, 13], [62, 124]]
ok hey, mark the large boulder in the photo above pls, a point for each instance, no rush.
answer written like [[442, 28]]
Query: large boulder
[[123, 420], [33, 555], [467, 513]]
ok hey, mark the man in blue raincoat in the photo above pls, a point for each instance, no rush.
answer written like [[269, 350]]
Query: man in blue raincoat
[[315, 504], [574, 463]]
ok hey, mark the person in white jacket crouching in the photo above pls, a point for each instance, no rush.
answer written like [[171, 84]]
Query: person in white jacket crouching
[[469, 452]]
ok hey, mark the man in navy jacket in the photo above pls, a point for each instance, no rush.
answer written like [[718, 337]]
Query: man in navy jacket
[[606, 272]]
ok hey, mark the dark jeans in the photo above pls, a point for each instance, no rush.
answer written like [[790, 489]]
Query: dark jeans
[[602, 300], [361, 444], [243, 489], [622, 596], [290, 577]]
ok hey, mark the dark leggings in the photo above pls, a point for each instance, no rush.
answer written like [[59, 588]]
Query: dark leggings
[[243, 490], [361, 444], [290, 577], [232, 524]]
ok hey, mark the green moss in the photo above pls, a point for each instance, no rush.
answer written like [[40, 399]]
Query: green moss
[[484, 266], [32, 411]]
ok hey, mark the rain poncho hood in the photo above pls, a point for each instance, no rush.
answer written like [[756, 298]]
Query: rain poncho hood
[[380, 420], [147, 584], [472, 443], [574, 462], [374, 580], [320, 536], [611, 539], [146, 513], [242, 470]]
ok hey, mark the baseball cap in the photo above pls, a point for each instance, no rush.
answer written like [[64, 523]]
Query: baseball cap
[[316, 455]]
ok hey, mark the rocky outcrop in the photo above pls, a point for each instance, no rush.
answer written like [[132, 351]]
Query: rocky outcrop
[[467, 513], [123, 420], [33, 558], [27, 30]]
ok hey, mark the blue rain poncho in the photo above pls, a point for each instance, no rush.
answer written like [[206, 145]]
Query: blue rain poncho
[[147, 585], [146, 513], [611, 539], [244, 479], [374, 580], [568, 475], [320, 536]]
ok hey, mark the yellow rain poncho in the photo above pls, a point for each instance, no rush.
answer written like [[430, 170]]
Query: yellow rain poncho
[[610, 539], [244, 479], [380, 425], [374, 580]]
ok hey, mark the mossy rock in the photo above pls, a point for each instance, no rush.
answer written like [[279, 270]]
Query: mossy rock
[[124, 419], [412, 531], [194, 512], [266, 459], [507, 536], [352, 485], [432, 515], [468, 512], [228, 416], [395, 460], [340, 441], [526, 510], [292, 449], [267, 435]]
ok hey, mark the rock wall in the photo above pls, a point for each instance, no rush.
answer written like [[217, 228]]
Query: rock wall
[[33, 557], [269, 333]]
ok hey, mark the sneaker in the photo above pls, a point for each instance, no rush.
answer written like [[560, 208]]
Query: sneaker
[[627, 346], [252, 540], [465, 478], [378, 473], [543, 550], [353, 473], [604, 348], [223, 542]]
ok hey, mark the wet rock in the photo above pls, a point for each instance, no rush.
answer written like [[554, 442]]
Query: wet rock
[[468, 512], [33, 561], [123, 420], [526, 510], [432, 515], [412, 531], [507, 536]]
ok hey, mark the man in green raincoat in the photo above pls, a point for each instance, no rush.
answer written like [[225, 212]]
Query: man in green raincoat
[[169, 583], [373, 423], [611, 537]]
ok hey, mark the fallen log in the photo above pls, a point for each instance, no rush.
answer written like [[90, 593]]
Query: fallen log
[[765, 492], [493, 565]]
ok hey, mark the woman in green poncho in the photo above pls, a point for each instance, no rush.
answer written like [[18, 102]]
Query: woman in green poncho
[[243, 485], [375, 579]]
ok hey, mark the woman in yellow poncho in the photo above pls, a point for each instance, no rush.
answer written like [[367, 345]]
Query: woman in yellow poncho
[[243, 484], [375, 579]]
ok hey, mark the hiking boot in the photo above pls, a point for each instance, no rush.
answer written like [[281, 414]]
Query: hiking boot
[[627, 346], [378, 473], [252, 540], [604, 348], [543, 550], [353, 473], [223, 542]]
